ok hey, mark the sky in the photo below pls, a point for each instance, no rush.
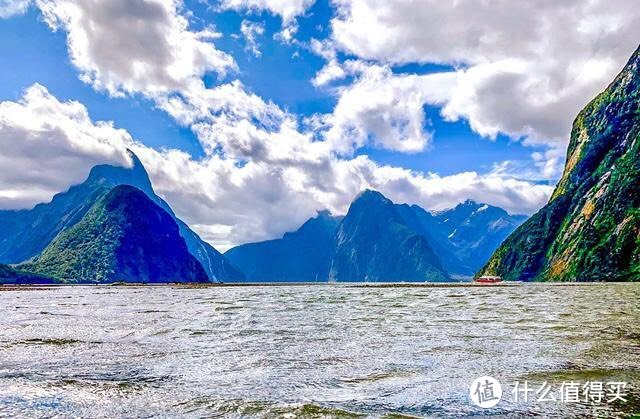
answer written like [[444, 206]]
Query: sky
[[251, 115]]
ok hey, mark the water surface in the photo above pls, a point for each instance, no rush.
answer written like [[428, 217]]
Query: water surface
[[311, 351]]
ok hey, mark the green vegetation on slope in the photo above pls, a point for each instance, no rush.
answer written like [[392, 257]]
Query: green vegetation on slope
[[123, 237], [9, 275], [590, 229]]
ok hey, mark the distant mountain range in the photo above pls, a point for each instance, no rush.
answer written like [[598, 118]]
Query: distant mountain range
[[381, 241], [590, 229], [25, 234], [113, 227], [375, 243]]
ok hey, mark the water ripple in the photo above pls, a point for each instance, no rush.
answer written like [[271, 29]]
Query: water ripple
[[309, 351]]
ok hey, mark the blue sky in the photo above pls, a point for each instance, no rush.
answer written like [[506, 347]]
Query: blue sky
[[282, 74], [425, 101]]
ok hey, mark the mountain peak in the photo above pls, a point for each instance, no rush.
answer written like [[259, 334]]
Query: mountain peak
[[370, 196], [135, 175], [323, 214], [124, 236], [469, 203], [31, 231], [374, 242]]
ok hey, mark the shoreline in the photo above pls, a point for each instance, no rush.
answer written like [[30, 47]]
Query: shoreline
[[43, 287]]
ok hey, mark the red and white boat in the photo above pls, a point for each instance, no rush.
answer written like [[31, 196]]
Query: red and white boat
[[488, 279]]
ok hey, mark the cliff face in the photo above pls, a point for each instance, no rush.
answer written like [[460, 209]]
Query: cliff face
[[375, 243], [25, 233], [590, 229], [123, 237]]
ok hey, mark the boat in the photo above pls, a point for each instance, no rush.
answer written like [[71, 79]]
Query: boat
[[488, 279]]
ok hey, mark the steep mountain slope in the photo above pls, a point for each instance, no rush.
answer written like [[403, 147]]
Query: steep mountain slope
[[590, 229], [375, 243], [303, 255], [9, 275], [25, 233], [474, 231], [463, 237], [124, 236]]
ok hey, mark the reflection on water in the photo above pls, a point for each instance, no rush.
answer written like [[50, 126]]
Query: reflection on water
[[311, 351]]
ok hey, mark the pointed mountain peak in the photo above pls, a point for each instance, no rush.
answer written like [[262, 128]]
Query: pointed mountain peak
[[370, 195], [474, 206], [322, 221], [136, 163], [467, 207], [124, 236], [370, 201], [323, 214], [135, 175], [470, 203]]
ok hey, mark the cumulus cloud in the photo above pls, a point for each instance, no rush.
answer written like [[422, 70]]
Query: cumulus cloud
[[523, 68], [333, 70], [225, 201], [251, 30], [48, 145], [383, 108], [286, 9], [10, 8], [263, 173], [228, 205], [143, 46]]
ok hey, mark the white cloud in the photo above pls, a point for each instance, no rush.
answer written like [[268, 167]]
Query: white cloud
[[286, 9], [383, 108], [10, 8], [226, 202], [333, 70], [287, 33], [251, 30], [524, 68], [262, 173], [144, 46], [48, 145], [164, 61]]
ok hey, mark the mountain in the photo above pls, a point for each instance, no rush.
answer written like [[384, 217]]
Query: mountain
[[590, 229], [375, 243], [9, 275], [124, 236], [25, 233], [301, 256], [473, 231], [461, 238]]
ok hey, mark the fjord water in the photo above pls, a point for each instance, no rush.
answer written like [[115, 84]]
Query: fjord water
[[311, 351]]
